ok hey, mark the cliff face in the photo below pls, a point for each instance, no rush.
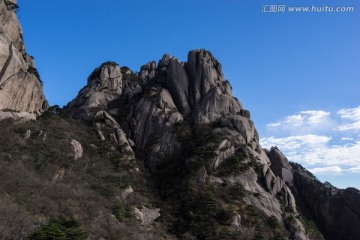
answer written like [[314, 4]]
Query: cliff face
[[20, 86], [335, 211]]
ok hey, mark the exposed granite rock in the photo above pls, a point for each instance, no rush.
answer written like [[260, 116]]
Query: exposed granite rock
[[236, 221], [146, 216], [241, 124], [154, 117], [20, 86], [178, 85], [216, 105], [77, 147], [104, 85], [103, 121], [204, 72], [126, 192], [336, 212], [280, 165], [164, 62], [17, 116]]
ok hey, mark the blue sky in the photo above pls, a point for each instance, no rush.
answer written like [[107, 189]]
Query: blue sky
[[298, 73]]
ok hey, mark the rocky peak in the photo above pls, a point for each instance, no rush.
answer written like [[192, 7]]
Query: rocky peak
[[103, 86], [20, 85], [162, 105], [196, 87]]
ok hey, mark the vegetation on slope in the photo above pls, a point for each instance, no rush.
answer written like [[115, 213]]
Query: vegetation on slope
[[41, 182]]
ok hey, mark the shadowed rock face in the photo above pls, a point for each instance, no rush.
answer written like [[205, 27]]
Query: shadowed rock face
[[20, 86], [335, 211]]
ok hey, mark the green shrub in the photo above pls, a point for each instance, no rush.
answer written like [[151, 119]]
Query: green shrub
[[273, 222], [35, 72], [120, 211], [237, 191], [280, 236], [59, 229], [235, 164], [260, 236]]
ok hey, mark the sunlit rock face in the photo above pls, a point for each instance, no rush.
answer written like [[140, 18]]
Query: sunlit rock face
[[20, 85]]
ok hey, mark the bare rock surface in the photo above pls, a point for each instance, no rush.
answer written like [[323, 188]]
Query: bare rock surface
[[146, 216], [77, 148], [17, 116], [20, 86], [104, 85], [280, 165]]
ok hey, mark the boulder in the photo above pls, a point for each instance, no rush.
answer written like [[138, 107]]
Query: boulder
[[77, 148], [146, 216], [280, 165]]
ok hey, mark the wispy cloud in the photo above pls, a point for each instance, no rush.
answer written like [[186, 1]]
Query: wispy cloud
[[304, 122], [332, 169], [320, 140], [352, 118]]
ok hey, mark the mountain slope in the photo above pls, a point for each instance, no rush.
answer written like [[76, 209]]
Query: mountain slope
[[163, 153]]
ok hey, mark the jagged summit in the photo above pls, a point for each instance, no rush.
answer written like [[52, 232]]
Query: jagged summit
[[20, 86], [195, 86]]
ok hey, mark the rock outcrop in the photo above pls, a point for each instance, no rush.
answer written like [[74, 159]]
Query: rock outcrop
[[20, 85], [335, 211], [162, 105], [146, 216], [280, 165], [331, 209], [104, 85], [78, 149]]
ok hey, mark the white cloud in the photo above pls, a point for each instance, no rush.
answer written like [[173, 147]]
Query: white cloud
[[316, 150], [316, 117], [351, 117], [355, 169], [319, 140], [347, 139], [332, 169], [305, 122], [349, 126], [350, 113], [295, 142]]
